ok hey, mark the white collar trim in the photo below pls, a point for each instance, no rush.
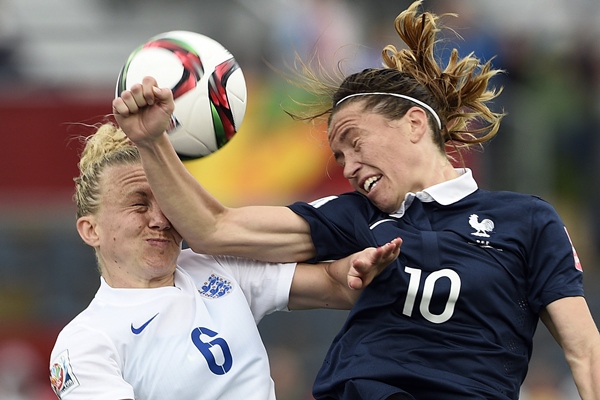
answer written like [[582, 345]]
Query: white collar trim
[[444, 193]]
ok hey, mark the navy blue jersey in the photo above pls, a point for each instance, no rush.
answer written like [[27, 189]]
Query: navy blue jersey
[[454, 316]]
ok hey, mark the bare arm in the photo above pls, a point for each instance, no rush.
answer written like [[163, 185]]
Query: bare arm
[[570, 322], [260, 232], [338, 284]]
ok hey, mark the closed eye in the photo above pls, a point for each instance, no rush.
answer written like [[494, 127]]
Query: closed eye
[[339, 158], [139, 199], [141, 208]]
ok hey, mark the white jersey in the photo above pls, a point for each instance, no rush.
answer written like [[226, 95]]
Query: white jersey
[[196, 340]]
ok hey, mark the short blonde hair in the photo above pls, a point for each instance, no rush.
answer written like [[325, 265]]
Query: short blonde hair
[[106, 147]]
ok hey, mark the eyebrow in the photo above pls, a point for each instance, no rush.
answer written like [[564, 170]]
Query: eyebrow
[[342, 136], [137, 193]]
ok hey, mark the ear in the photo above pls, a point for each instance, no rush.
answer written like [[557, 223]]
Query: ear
[[419, 124], [87, 229]]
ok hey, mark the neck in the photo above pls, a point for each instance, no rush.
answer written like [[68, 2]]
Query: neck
[[127, 281], [435, 172]]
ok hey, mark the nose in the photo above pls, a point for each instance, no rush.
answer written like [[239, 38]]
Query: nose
[[158, 220], [351, 168]]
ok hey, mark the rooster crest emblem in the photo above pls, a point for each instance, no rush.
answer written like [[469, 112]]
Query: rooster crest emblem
[[481, 228]]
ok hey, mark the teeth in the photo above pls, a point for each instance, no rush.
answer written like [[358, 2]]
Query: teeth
[[370, 183]]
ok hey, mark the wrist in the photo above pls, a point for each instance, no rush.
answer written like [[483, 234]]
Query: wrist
[[152, 141]]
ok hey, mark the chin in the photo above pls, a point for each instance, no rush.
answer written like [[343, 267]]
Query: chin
[[389, 207], [382, 203], [386, 208]]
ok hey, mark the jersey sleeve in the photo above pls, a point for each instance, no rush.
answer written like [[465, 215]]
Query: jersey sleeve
[[266, 286], [84, 365], [554, 268], [339, 225]]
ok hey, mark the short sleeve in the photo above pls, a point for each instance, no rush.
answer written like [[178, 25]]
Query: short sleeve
[[339, 225], [554, 269], [84, 365], [266, 286]]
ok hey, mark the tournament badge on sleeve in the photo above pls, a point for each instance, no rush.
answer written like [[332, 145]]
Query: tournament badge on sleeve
[[575, 256], [62, 378]]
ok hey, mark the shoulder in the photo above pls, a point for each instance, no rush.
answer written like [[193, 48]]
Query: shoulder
[[524, 218], [339, 207], [192, 263], [81, 339], [516, 214], [201, 267], [89, 324], [188, 259], [189, 256], [507, 194], [503, 195], [354, 198], [518, 202]]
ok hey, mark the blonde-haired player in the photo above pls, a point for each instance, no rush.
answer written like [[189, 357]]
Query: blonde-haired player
[[173, 324]]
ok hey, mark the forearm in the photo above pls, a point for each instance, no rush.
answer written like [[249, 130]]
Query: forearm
[[586, 373], [264, 233], [192, 210], [571, 323], [338, 284], [322, 285]]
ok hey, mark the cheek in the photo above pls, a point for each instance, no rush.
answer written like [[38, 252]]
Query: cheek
[[393, 154], [114, 230], [379, 154]]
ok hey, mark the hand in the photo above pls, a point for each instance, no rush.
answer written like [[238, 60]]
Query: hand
[[367, 264], [144, 112]]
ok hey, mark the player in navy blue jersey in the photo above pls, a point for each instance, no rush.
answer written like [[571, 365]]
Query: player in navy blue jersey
[[454, 316]]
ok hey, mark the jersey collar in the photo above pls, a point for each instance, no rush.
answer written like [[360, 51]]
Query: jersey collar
[[444, 193], [109, 294]]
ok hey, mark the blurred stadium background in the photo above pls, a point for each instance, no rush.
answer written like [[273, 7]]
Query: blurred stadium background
[[59, 60]]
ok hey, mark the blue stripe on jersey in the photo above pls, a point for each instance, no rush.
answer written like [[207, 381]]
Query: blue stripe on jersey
[[455, 315]]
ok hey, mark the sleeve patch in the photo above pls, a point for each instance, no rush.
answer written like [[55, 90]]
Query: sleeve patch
[[578, 265], [62, 378]]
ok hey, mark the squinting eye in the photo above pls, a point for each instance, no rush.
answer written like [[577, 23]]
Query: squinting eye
[[338, 158]]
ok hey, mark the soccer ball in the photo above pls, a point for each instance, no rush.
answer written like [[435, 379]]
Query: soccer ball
[[207, 83]]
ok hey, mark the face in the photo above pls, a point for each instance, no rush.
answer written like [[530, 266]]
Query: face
[[377, 155], [135, 243]]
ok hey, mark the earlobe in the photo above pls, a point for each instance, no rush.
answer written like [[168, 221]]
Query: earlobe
[[86, 227]]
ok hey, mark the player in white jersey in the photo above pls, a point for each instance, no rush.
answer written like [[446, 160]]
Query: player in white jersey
[[167, 342], [173, 324]]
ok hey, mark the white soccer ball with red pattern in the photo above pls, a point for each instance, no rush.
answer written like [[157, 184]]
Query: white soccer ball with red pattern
[[207, 83]]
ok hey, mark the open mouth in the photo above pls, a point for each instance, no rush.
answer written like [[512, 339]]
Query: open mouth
[[371, 183]]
